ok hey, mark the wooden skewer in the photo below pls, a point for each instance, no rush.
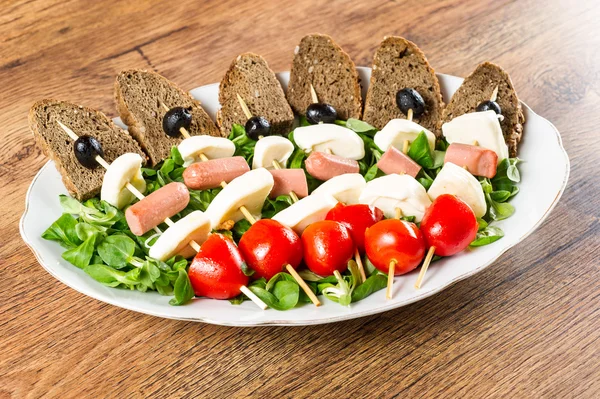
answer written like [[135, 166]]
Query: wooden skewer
[[405, 146], [168, 221], [494, 95], [251, 219], [426, 263], [409, 114], [182, 130], [475, 142], [244, 106], [390, 282], [392, 267], [313, 94], [361, 268]]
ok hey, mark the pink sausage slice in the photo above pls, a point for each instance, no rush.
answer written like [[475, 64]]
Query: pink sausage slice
[[479, 161], [210, 174], [395, 161], [323, 166], [287, 180], [152, 210]]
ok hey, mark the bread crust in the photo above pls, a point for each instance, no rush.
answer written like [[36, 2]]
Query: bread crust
[[147, 129], [81, 183], [399, 62], [323, 63], [478, 87], [266, 99]]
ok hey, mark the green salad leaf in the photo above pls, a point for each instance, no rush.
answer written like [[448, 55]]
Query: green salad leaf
[[420, 152], [487, 235], [183, 291], [63, 231]]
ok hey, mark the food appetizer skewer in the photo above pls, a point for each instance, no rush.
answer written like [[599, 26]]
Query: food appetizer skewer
[[197, 227], [288, 266]]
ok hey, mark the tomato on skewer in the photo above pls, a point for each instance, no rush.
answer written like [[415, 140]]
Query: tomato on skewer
[[394, 240], [449, 225], [268, 246], [328, 247], [216, 271], [357, 218]]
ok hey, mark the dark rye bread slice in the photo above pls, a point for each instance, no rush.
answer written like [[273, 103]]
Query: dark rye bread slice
[[478, 87], [250, 77], [319, 61], [138, 95], [82, 183], [398, 64]]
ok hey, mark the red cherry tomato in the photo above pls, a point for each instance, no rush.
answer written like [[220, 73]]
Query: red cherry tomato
[[449, 225], [268, 246], [328, 246], [216, 271], [357, 218], [395, 240]]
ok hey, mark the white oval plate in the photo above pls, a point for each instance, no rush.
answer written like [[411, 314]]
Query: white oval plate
[[544, 172]]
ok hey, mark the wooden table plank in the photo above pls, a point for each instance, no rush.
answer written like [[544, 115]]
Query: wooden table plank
[[526, 327]]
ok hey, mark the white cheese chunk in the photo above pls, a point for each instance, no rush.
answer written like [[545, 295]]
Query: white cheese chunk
[[345, 188], [339, 140], [455, 180], [306, 211], [175, 240], [482, 128], [397, 191], [249, 190], [397, 131], [212, 147], [125, 169], [269, 149]]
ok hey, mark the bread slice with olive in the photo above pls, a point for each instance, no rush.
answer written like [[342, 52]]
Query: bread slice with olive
[[250, 77], [475, 93], [320, 62], [140, 95], [399, 70], [81, 182]]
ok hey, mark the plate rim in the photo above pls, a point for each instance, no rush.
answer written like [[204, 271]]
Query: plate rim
[[335, 319]]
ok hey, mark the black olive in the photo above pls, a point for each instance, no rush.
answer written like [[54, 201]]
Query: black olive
[[489, 105], [257, 126], [86, 149], [320, 112], [175, 119], [410, 99]]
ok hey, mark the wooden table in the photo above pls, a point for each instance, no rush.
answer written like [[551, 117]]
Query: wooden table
[[529, 326]]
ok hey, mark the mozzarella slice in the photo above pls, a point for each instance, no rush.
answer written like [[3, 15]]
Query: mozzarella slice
[[397, 131], [306, 211], [269, 149], [249, 190], [213, 147], [397, 191], [125, 169], [345, 188], [455, 180], [482, 127], [175, 240], [339, 140]]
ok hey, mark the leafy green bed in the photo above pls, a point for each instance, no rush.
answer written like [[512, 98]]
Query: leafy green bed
[[98, 241]]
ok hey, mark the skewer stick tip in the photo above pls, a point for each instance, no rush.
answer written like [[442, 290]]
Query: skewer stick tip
[[409, 114], [244, 106], [313, 94], [253, 297], [311, 295], [494, 95], [426, 263], [359, 263], [390, 282]]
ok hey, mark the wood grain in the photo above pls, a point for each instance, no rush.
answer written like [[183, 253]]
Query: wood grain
[[527, 327]]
